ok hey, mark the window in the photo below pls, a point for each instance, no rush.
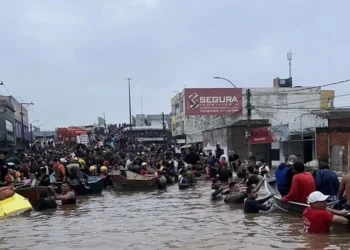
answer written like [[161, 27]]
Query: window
[[182, 127], [181, 106]]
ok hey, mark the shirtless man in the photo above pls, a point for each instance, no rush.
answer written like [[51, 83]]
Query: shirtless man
[[345, 187]]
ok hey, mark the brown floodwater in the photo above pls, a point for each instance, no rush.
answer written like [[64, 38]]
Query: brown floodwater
[[169, 219]]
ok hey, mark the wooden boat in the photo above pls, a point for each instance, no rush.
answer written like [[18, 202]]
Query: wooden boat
[[291, 206], [32, 193], [132, 181], [94, 186]]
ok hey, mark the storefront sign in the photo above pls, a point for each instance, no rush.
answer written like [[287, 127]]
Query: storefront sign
[[9, 126], [218, 101], [269, 134]]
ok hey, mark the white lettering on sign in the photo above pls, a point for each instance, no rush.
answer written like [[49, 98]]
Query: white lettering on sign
[[218, 99]]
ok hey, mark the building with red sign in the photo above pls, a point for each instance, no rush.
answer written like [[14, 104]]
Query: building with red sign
[[69, 134], [200, 115]]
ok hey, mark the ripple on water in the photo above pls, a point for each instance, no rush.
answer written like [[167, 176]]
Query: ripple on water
[[172, 219]]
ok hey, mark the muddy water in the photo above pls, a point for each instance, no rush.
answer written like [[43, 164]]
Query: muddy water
[[161, 220]]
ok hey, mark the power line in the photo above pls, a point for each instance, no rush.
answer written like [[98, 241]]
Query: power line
[[318, 99], [313, 87]]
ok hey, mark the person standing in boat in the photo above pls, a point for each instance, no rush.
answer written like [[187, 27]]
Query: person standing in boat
[[303, 184], [59, 170], [318, 218], [284, 175], [67, 197], [327, 182]]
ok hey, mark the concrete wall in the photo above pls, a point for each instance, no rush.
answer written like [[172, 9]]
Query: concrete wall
[[213, 137], [338, 134]]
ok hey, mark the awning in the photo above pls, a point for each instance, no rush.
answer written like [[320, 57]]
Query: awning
[[187, 146]]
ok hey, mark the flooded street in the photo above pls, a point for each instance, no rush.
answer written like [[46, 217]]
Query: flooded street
[[161, 220]]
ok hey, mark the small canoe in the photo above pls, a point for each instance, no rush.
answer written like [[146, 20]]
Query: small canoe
[[291, 206], [14, 205], [94, 186], [32, 193], [132, 181]]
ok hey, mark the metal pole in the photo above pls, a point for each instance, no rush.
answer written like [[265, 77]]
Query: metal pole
[[289, 57], [22, 123], [31, 133], [163, 119], [249, 117], [130, 125]]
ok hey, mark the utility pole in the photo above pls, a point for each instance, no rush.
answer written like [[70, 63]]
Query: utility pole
[[164, 127], [130, 125], [31, 133], [23, 103], [289, 58], [249, 118], [104, 119]]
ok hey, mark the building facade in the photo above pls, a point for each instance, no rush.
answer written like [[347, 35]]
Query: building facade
[[21, 131], [195, 111], [7, 121]]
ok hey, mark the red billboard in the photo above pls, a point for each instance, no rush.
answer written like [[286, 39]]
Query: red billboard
[[221, 101]]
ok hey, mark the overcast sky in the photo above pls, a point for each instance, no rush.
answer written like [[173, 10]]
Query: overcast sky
[[71, 58]]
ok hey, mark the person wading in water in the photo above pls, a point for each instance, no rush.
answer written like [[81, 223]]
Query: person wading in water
[[67, 197]]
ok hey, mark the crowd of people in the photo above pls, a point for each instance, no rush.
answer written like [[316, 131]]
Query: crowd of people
[[233, 180]]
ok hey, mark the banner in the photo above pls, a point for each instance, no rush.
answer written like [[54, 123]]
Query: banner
[[212, 102], [270, 134]]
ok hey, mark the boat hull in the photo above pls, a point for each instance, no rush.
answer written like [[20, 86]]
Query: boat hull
[[94, 187], [132, 182], [290, 207], [31, 193]]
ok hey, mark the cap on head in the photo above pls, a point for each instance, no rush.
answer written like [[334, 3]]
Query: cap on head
[[292, 159], [316, 196], [63, 160]]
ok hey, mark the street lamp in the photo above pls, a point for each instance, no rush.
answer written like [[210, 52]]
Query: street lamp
[[24, 103], [225, 79], [31, 130], [249, 109]]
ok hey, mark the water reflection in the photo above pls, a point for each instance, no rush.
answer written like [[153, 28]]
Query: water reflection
[[170, 219]]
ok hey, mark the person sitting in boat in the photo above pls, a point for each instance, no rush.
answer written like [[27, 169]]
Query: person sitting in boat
[[45, 202], [318, 218], [217, 189], [303, 184], [93, 171], [59, 170], [144, 170], [327, 182], [183, 180], [75, 175], [251, 205], [103, 171], [67, 197]]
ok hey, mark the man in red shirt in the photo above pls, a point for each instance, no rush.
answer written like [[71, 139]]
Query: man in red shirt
[[144, 170], [318, 218], [303, 184]]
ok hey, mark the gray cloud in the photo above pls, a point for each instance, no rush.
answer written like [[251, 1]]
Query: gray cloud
[[71, 58]]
